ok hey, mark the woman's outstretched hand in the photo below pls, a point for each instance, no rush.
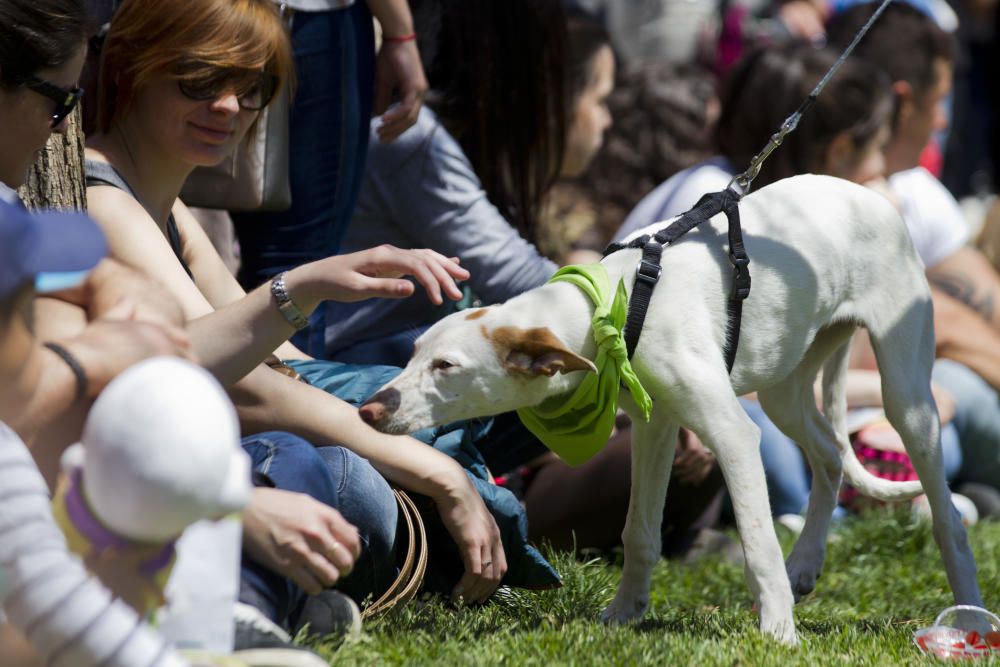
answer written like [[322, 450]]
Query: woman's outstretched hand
[[379, 272]]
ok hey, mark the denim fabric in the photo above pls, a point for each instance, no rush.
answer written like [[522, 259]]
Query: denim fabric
[[342, 480], [328, 142], [389, 350], [461, 441], [784, 464], [787, 473], [977, 418]]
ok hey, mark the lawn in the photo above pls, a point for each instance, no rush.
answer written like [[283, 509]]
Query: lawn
[[883, 580]]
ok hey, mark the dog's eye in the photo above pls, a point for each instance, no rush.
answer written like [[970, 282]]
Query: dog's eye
[[441, 365]]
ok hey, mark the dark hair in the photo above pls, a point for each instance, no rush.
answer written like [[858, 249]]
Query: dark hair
[[39, 34], [663, 115], [770, 83], [904, 42], [585, 36], [496, 72]]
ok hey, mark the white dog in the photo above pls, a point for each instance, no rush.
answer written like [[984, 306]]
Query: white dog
[[826, 256]]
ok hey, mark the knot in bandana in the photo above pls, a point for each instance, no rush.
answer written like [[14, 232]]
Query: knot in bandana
[[577, 425]]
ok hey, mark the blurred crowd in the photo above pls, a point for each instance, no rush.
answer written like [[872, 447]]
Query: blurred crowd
[[184, 476]]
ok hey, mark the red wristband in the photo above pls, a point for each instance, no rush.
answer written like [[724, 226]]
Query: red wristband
[[402, 38]]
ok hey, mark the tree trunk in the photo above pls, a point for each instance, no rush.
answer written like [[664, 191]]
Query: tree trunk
[[56, 180]]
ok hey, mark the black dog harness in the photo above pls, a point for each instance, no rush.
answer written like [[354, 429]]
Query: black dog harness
[[647, 273]]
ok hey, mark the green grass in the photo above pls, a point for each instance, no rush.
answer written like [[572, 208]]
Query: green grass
[[883, 579]]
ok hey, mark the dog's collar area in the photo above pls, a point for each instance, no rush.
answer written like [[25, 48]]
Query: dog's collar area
[[648, 271], [576, 425]]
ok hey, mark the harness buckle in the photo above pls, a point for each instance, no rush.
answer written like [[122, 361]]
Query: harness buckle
[[741, 277], [648, 272]]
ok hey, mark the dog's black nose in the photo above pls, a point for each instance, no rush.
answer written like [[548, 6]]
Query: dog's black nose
[[380, 406]]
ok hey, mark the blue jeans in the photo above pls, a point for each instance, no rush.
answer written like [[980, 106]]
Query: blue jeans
[[787, 472], [977, 418], [784, 465], [342, 480], [328, 143]]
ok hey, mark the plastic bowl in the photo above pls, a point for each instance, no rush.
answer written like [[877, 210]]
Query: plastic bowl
[[961, 632]]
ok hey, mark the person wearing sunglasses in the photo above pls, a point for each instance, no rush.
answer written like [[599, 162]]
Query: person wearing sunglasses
[[38, 81], [180, 85]]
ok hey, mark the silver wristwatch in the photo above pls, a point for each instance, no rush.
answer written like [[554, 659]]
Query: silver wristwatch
[[288, 308]]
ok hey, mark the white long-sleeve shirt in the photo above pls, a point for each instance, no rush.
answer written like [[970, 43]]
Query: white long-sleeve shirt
[[67, 616]]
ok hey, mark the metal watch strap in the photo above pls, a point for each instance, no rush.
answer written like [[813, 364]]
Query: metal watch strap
[[286, 306]]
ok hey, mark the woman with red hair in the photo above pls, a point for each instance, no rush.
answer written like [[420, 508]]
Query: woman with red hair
[[181, 85]]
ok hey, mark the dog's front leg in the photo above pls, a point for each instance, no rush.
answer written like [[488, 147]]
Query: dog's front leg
[[735, 440], [653, 445]]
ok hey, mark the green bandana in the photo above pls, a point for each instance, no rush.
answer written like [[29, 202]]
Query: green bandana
[[577, 426]]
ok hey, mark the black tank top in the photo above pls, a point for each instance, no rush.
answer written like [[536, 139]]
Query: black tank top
[[102, 173]]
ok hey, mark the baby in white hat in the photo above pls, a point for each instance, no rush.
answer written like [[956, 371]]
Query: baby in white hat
[[160, 451]]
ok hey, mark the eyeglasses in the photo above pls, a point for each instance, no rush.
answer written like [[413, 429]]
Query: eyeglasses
[[66, 100], [253, 88]]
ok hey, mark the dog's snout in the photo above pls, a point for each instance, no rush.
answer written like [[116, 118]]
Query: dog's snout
[[380, 406], [372, 413]]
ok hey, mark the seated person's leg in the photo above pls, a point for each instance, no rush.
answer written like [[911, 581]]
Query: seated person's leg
[[586, 505], [977, 420], [784, 464], [340, 479], [366, 500]]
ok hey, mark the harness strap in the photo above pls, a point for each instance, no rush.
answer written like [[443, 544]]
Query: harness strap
[[648, 271], [741, 281]]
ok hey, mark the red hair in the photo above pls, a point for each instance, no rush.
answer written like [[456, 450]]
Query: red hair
[[151, 38]]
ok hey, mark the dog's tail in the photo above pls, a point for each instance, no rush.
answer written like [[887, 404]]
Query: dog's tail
[[835, 409]]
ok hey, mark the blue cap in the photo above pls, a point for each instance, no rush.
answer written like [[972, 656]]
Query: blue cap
[[52, 250]]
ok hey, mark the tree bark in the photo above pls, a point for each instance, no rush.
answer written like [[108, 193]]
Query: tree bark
[[56, 180]]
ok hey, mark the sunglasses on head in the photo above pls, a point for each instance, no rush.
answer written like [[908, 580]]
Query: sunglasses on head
[[66, 100], [253, 88]]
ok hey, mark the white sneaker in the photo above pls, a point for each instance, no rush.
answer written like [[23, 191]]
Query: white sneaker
[[793, 523], [966, 508]]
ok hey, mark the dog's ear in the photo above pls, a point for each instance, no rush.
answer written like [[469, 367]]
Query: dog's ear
[[535, 352]]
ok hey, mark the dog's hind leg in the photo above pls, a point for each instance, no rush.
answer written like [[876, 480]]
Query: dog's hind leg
[[904, 349], [653, 446], [716, 416], [791, 406]]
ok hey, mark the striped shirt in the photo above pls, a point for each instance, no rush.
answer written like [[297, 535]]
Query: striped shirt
[[67, 616]]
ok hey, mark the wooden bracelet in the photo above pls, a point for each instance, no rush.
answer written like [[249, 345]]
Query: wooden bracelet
[[402, 38]]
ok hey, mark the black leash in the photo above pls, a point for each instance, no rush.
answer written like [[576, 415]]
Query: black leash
[[647, 273]]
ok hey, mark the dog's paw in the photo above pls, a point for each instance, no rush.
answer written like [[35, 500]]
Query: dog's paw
[[623, 610], [802, 577], [781, 630]]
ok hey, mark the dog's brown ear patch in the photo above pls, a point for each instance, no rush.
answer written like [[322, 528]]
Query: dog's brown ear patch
[[476, 314], [536, 351]]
